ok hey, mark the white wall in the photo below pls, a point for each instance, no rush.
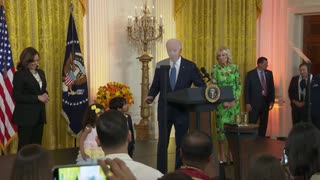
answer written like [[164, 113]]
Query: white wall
[[271, 43], [109, 57]]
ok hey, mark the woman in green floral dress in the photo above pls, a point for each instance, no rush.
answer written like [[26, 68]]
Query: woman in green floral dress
[[226, 74]]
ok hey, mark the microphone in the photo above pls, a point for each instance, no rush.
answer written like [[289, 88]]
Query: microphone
[[205, 74]]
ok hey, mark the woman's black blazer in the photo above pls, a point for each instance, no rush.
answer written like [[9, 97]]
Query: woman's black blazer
[[28, 109]]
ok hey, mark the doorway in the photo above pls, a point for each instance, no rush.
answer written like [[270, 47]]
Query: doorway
[[311, 41]]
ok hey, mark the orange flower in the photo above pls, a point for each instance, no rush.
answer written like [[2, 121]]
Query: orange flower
[[111, 90]]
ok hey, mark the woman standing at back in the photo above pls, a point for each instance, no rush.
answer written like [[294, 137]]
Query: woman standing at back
[[30, 94]]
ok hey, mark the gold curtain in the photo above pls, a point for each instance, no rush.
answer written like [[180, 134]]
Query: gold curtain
[[205, 25], [43, 24], [196, 28]]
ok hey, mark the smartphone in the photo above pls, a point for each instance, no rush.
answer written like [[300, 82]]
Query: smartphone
[[78, 172]]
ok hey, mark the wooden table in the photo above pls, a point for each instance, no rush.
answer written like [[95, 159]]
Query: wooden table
[[245, 144], [236, 134]]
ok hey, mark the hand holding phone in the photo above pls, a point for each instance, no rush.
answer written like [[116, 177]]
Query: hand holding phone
[[120, 171]]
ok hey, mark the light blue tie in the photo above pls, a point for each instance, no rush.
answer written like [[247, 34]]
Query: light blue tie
[[173, 76]]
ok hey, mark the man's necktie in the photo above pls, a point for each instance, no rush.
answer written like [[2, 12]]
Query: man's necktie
[[173, 76], [303, 84], [263, 83], [303, 87]]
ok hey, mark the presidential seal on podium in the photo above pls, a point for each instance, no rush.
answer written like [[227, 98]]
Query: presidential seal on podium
[[212, 93]]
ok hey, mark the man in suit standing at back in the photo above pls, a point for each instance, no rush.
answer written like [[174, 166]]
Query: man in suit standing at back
[[181, 75], [315, 100], [259, 94], [297, 93]]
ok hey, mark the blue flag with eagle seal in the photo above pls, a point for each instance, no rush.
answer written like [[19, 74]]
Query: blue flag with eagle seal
[[74, 81]]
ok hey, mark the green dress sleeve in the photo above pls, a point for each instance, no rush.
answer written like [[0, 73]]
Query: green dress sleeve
[[237, 84]]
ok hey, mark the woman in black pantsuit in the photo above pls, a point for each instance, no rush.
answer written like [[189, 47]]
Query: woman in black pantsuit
[[30, 95]]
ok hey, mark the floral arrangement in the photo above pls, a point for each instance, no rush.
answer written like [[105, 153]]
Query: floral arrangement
[[111, 90]]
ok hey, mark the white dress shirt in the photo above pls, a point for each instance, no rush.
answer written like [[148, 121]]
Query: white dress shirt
[[139, 170], [300, 91], [177, 66]]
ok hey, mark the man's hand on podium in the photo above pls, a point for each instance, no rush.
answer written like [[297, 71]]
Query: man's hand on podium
[[248, 107], [228, 105]]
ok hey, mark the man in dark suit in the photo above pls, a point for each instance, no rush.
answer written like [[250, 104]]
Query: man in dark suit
[[315, 100], [259, 94], [297, 95], [181, 74]]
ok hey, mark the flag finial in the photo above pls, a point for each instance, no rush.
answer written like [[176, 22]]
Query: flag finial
[[71, 6]]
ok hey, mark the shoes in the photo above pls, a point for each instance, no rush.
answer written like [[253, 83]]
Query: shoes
[[226, 163], [226, 158]]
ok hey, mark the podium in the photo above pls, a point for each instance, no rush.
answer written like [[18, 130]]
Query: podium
[[194, 100]]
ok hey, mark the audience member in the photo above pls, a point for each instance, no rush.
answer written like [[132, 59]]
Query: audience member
[[196, 151], [175, 176], [266, 167], [120, 104], [114, 136], [89, 150], [32, 162], [303, 151]]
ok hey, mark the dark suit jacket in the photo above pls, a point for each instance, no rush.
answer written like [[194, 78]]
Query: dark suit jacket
[[188, 74], [315, 100], [132, 142], [28, 110], [130, 126], [293, 90], [253, 88]]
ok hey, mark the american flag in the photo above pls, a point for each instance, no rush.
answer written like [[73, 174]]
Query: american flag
[[68, 80], [7, 128]]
